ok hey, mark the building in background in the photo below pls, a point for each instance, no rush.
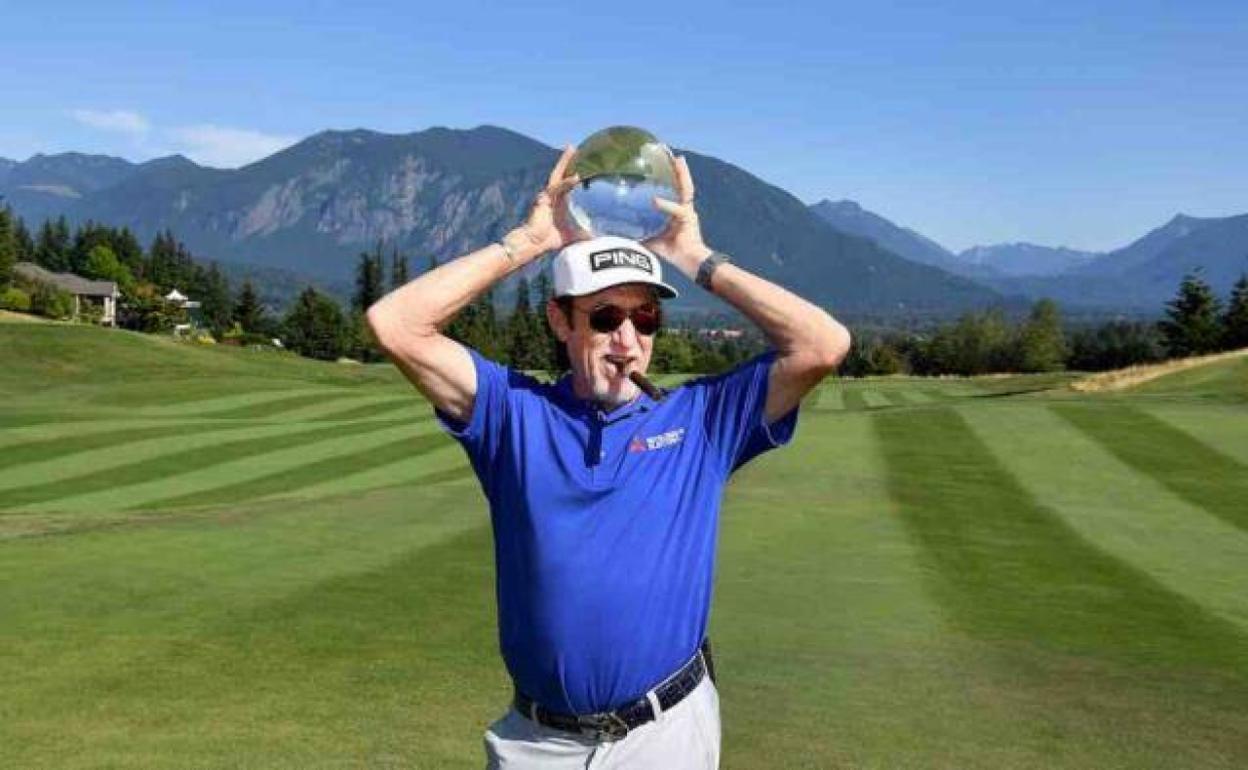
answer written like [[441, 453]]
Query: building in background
[[86, 293]]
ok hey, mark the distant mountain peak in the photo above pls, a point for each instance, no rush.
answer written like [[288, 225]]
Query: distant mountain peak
[[79, 158], [844, 205], [850, 217], [177, 160]]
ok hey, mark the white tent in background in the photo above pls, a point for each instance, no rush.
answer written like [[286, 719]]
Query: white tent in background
[[192, 308]]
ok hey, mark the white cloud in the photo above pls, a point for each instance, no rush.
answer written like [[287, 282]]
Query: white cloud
[[225, 147], [121, 121], [205, 143]]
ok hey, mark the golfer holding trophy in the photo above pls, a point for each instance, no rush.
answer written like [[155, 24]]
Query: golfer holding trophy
[[604, 491]]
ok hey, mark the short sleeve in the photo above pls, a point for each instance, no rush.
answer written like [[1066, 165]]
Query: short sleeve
[[735, 418], [482, 434]]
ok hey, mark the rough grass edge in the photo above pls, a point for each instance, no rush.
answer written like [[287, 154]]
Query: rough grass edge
[[9, 316], [1119, 379]]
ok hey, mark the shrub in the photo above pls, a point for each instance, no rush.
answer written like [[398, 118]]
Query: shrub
[[14, 298], [52, 302]]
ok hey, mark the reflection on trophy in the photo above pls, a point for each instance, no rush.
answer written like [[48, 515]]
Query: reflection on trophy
[[622, 169]]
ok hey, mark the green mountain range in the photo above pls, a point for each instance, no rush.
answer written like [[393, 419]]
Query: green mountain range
[[312, 207], [1138, 277]]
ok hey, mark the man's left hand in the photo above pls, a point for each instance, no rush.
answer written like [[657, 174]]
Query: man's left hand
[[681, 243]]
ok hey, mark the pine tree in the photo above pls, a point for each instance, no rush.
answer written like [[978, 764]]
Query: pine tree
[[85, 239], [248, 313], [546, 342], [128, 250], [398, 270], [24, 244], [213, 292], [8, 247], [369, 283], [1192, 326], [1235, 320], [522, 342], [52, 248], [160, 267], [315, 327]]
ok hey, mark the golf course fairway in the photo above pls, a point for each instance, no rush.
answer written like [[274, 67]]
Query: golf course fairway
[[216, 557]]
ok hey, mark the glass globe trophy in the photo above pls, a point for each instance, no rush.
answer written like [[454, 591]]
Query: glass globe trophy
[[622, 169]]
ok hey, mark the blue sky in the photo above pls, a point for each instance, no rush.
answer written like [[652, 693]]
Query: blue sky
[[1081, 124]]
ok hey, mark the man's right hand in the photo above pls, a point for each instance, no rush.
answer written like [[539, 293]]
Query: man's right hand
[[407, 321], [546, 229]]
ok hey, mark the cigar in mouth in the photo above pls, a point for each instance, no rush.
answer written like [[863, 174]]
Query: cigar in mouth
[[647, 387]]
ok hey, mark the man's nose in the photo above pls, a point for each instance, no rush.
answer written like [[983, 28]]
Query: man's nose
[[625, 336]]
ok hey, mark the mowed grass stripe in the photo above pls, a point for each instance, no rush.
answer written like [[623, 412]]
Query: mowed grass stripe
[[829, 399], [201, 407], [854, 400], [437, 467], [391, 407], [67, 447], [1005, 568], [1122, 511], [908, 397], [283, 482], [875, 399], [65, 458], [1224, 428], [172, 460], [278, 407], [68, 431], [328, 409], [1193, 471], [939, 394], [12, 418]]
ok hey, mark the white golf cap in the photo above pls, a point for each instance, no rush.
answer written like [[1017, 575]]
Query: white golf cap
[[588, 266]]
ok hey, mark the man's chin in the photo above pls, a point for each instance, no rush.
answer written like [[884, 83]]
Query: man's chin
[[616, 392]]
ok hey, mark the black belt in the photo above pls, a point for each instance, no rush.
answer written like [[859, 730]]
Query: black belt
[[613, 725]]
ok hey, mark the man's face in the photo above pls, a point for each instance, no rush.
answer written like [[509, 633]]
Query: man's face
[[602, 361]]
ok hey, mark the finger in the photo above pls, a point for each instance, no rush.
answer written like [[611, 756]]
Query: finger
[[683, 180], [562, 166], [566, 184], [680, 211]]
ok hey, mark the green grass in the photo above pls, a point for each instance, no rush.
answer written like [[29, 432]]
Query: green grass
[[224, 558]]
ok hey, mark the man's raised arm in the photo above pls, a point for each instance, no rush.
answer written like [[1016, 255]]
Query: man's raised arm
[[809, 342], [407, 322]]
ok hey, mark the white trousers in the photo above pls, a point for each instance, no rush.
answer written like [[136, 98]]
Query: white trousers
[[684, 738]]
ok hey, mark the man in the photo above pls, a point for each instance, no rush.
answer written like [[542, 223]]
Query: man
[[604, 501]]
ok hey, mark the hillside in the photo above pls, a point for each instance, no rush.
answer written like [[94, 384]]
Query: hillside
[[312, 207], [93, 367]]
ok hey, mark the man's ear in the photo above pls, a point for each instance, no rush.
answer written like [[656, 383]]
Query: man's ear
[[557, 320]]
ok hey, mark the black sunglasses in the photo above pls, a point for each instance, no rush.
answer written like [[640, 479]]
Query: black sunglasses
[[607, 318]]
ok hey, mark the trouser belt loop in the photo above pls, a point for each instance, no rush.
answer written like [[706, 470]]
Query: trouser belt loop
[[709, 660]]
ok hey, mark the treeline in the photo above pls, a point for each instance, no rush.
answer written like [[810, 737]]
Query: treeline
[[315, 325], [1195, 322], [522, 338], [113, 254]]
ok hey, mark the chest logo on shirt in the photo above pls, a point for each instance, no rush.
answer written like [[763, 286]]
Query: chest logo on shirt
[[661, 441]]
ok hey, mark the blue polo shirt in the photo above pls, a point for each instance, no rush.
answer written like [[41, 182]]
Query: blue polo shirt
[[605, 523]]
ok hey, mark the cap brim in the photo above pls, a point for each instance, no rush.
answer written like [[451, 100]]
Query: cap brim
[[665, 291]]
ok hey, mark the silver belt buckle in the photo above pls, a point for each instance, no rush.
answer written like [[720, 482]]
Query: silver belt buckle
[[606, 726]]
